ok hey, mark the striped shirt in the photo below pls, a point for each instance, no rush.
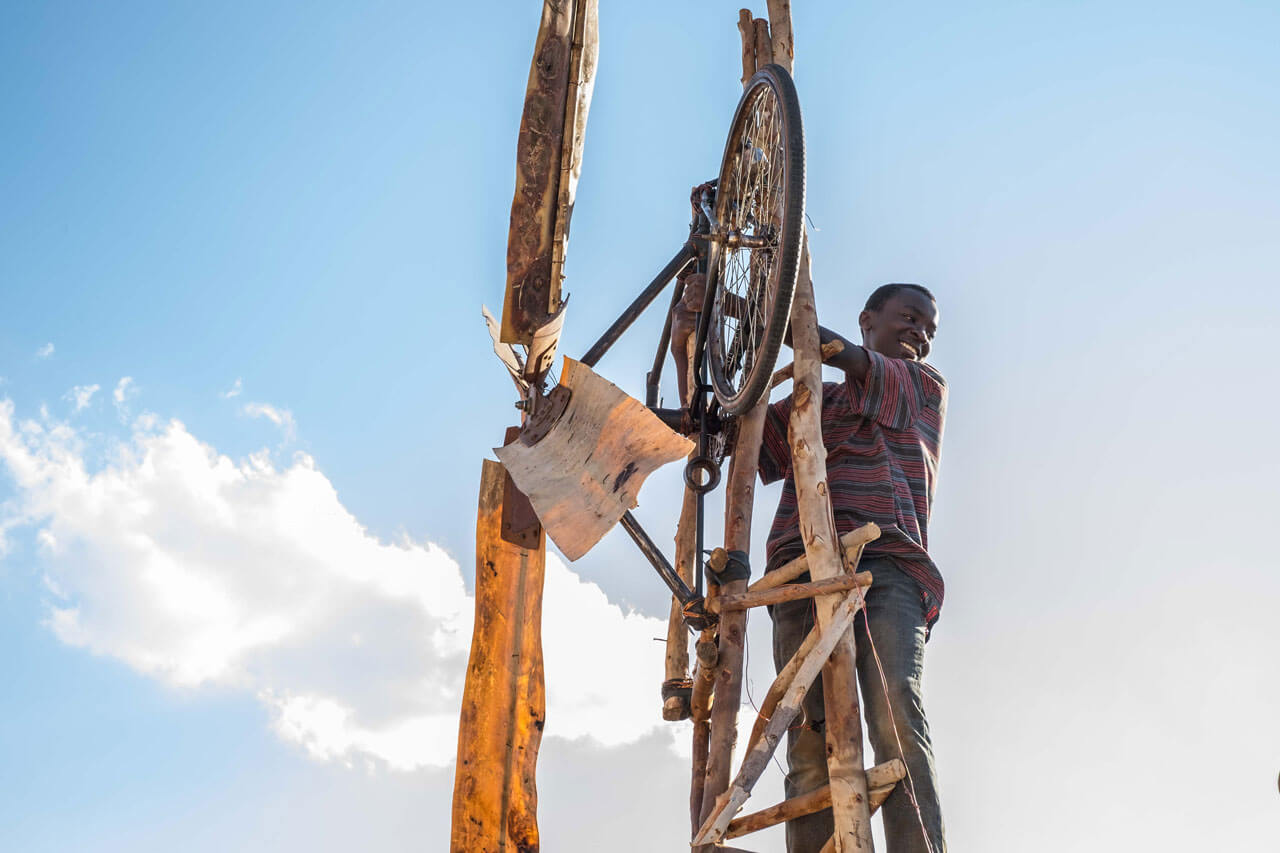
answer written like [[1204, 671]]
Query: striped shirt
[[883, 438]]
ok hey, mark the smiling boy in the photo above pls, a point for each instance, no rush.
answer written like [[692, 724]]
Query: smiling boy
[[882, 428]]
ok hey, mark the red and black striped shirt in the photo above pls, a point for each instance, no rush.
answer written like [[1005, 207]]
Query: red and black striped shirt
[[883, 438]]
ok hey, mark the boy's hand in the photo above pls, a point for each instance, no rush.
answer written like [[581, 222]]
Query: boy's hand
[[684, 323]]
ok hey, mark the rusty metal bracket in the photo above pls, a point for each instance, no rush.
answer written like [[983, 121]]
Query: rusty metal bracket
[[545, 415], [520, 525]]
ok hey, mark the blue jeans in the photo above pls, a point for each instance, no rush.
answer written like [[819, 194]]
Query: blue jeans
[[898, 627]]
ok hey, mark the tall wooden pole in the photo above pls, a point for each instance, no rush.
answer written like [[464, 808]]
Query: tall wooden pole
[[849, 799], [495, 796], [739, 500], [739, 503]]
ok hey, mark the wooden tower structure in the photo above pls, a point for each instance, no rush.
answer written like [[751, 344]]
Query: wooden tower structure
[[495, 798]]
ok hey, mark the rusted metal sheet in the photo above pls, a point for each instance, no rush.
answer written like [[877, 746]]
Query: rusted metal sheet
[[587, 469], [548, 162], [495, 795]]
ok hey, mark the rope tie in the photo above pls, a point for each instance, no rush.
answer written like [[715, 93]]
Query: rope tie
[[678, 688]]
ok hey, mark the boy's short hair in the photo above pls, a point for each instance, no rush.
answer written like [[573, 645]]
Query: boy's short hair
[[881, 294]]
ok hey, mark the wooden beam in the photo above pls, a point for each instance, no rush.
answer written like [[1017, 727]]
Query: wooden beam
[[503, 702], [792, 592], [852, 543], [881, 780], [548, 161]]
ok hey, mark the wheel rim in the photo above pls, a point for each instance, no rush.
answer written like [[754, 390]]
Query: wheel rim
[[750, 202]]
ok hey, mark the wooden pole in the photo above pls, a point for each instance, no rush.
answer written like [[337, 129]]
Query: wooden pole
[[792, 592], [852, 543], [739, 501], [880, 779], [763, 47], [784, 51], [675, 708], [746, 29], [677, 634], [495, 795], [850, 804]]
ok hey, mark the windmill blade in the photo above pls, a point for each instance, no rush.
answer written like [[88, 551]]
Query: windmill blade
[[506, 353]]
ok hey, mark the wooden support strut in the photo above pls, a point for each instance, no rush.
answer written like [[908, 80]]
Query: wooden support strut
[[791, 592], [755, 761], [881, 779]]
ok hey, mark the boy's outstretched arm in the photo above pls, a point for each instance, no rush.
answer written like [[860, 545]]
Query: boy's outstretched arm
[[853, 359]]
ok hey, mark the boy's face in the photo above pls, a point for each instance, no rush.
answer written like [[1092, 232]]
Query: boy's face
[[903, 328]]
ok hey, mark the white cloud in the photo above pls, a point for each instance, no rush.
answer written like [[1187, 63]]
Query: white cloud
[[200, 570], [282, 418], [45, 351], [82, 395], [125, 389], [233, 391]]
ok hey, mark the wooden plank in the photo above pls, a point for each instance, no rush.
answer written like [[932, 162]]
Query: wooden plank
[[792, 592], [548, 161], [852, 543], [587, 471], [503, 704]]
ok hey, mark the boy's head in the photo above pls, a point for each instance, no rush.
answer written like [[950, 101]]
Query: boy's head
[[900, 321]]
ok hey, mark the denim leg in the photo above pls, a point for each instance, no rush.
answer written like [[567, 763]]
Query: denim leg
[[806, 738], [897, 626], [898, 629]]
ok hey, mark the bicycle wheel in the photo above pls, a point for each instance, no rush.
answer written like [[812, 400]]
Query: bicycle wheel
[[755, 249]]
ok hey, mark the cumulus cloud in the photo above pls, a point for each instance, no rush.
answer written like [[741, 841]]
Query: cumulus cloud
[[233, 391], [197, 569], [282, 418], [45, 351], [82, 395]]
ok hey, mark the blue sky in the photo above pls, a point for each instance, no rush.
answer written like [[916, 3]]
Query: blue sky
[[236, 598]]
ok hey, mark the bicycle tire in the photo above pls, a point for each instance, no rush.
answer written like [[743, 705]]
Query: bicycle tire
[[759, 281]]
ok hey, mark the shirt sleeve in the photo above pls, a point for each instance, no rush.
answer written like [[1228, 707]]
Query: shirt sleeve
[[775, 452], [896, 391]]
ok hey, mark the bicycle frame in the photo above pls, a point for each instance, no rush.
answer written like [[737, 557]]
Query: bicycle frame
[[700, 248]]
